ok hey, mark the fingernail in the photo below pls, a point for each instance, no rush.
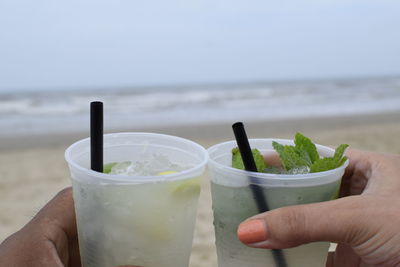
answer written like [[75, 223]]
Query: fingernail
[[252, 231], [262, 244]]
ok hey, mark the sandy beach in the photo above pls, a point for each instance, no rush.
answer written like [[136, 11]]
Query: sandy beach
[[33, 168]]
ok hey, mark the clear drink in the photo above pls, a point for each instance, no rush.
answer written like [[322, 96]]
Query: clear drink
[[233, 202], [145, 220]]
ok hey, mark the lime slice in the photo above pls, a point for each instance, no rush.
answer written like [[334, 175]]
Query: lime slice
[[159, 232], [154, 226], [107, 167], [187, 189]]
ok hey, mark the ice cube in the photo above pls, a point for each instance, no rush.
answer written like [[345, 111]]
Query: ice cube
[[122, 168], [299, 170], [153, 165]]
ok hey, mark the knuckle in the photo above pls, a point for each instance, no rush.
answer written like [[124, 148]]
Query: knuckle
[[293, 224]]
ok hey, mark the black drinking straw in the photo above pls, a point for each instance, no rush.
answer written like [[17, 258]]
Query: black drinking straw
[[96, 136], [250, 165]]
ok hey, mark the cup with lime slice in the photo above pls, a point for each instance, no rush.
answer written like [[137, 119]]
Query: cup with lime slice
[[141, 209]]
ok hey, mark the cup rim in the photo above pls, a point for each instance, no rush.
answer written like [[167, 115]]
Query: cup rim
[[272, 176], [140, 178]]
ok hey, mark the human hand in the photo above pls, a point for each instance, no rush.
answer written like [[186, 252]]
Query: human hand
[[48, 240], [365, 222]]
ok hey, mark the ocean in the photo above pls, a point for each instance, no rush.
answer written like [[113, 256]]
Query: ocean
[[52, 112]]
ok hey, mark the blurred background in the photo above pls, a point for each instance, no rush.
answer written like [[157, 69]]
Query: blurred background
[[163, 63], [327, 68]]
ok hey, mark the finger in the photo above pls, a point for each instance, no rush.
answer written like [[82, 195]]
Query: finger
[[272, 159], [357, 173], [370, 172], [73, 253], [335, 221], [384, 174], [59, 212], [329, 259], [56, 222], [345, 256]]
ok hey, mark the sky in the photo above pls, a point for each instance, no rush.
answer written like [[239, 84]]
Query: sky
[[53, 44]]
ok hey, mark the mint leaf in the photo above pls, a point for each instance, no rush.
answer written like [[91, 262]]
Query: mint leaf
[[330, 163], [339, 151], [342, 161], [237, 161], [259, 159], [291, 157], [305, 154], [306, 148], [278, 148], [323, 164], [107, 167]]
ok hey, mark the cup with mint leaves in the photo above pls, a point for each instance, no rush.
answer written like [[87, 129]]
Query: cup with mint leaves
[[289, 172]]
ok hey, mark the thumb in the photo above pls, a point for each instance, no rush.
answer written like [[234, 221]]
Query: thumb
[[335, 221], [58, 213]]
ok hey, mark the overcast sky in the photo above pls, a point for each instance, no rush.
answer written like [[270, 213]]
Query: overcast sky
[[102, 43]]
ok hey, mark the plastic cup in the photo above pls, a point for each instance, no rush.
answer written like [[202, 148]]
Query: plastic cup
[[136, 220], [233, 202]]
